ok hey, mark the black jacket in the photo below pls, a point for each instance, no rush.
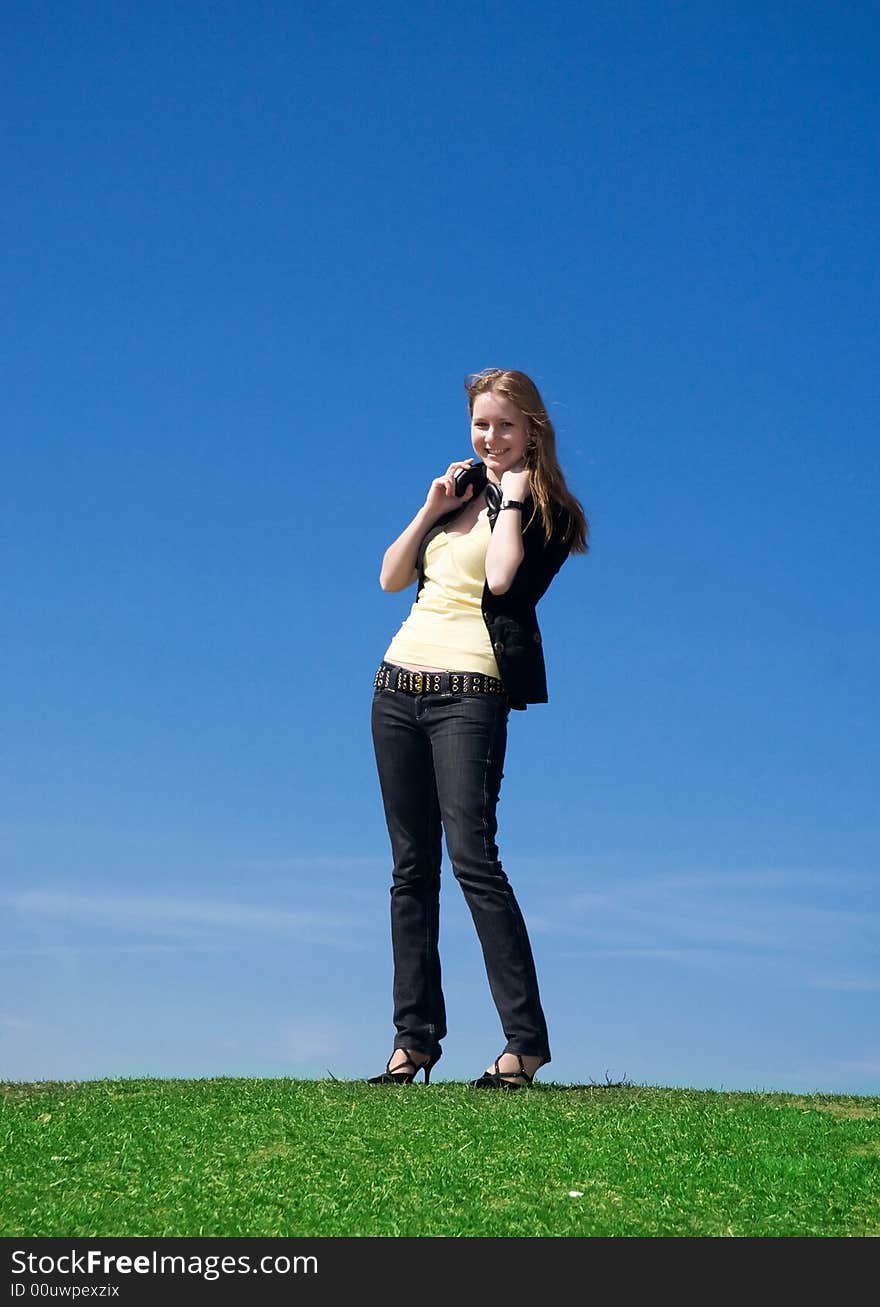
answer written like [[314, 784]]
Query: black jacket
[[510, 617]]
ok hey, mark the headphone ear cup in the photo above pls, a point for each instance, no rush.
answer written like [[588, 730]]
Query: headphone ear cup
[[493, 497]]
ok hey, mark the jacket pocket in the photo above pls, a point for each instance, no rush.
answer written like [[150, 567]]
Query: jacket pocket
[[509, 637]]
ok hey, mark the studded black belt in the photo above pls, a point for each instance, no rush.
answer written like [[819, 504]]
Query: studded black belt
[[391, 677]]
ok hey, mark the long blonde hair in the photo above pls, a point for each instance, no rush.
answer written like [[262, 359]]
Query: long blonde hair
[[546, 477]]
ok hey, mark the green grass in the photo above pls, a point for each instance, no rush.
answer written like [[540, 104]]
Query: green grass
[[328, 1158]]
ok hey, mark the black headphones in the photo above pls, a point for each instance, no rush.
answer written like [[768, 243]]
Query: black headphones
[[493, 497], [476, 476]]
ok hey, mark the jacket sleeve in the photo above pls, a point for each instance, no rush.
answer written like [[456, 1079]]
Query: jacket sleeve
[[549, 555]]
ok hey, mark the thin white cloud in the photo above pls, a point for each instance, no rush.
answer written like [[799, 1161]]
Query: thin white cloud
[[768, 910], [166, 914], [782, 970], [774, 924], [341, 862], [603, 877], [76, 950], [846, 984]]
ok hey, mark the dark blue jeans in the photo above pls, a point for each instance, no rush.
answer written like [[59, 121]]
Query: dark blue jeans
[[440, 760]]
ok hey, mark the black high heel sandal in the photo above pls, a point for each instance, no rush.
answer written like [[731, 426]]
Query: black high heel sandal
[[400, 1076], [498, 1079]]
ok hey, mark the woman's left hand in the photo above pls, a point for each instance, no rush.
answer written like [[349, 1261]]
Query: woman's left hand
[[515, 485]]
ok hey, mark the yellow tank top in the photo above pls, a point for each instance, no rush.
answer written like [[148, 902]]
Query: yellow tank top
[[445, 626]]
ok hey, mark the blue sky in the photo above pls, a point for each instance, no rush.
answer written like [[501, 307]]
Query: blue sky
[[250, 253]]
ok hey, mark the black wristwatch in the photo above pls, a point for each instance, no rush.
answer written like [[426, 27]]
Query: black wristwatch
[[511, 503]]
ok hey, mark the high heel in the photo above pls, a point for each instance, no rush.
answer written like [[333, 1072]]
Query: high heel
[[401, 1076], [497, 1079]]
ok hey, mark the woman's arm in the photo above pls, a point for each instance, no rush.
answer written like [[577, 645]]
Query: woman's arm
[[506, 549], [399, 561]]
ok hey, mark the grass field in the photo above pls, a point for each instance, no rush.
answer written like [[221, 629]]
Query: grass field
[[257, 1158]]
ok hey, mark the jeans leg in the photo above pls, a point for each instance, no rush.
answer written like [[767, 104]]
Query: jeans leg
[[412, 813], [469, 740]]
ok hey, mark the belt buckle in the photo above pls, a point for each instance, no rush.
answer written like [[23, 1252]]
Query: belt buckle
[[419, 681]]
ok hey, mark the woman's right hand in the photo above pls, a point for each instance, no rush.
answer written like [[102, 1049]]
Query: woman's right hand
[[441, 496], [399, 563]]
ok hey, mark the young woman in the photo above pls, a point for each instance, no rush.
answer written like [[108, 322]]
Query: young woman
[[469, 651]]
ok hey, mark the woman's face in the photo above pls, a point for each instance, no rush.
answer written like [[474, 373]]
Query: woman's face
[[499, 434]]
